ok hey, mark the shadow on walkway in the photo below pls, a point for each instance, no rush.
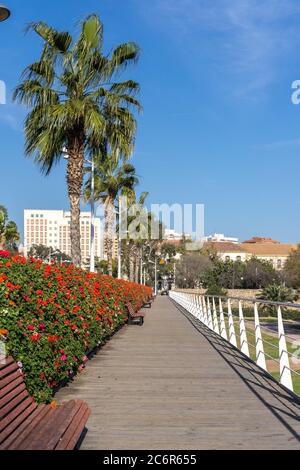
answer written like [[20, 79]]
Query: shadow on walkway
[[284, 405]]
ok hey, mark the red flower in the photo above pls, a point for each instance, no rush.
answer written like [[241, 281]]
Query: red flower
[[4, 254], [35, 337], [30, 327]]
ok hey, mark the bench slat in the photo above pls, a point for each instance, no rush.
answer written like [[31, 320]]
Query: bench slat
[[47, 433], [14, 442], [69, 411], [13, 384], [80, 425], [26, 425], [74, 426], [10, 378], [8, 370], [13, 403], [5, 362], [16, 412], [12, 431], [11, 394]]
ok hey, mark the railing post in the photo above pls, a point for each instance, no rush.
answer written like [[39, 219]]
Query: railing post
[[199, 304], [210, 323], [215, 317], [259, 346], [243, 334], [205, 317], [222, 320], [196, 311], [285, 371], [232, 336]]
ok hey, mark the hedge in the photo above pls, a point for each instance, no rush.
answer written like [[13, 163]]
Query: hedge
[[51, 316]]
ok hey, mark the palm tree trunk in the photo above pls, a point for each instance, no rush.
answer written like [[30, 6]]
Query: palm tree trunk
[[131, 264], [109, 233], [74, 181], [137, 268]]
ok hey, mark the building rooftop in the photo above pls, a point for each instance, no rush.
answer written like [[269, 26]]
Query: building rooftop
[[224, 247], [261, 240], [259, 249], [269, 248]]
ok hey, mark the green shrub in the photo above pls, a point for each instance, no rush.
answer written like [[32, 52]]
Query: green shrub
[[55, 315]]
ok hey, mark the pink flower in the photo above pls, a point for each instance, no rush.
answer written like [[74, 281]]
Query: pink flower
[[63, 357], [30, 327]]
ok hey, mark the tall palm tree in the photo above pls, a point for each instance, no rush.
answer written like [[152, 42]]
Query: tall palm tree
[[77, 105], [134, 246], [111, 180]]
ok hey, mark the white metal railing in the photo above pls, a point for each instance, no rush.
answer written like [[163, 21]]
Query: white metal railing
[[269, 348]]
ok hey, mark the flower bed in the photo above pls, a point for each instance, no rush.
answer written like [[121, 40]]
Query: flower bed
[[55, 315]]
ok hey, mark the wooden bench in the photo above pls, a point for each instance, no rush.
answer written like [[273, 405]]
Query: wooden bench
[[148, 302], [26, 425], [134, 317]]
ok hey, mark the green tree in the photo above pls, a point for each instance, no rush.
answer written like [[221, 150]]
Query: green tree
[[133, 247], [259, 274], [46, 253], [9, 234], [111, 180], [276, 293], [291, 271], [77, 105], [192, 269]]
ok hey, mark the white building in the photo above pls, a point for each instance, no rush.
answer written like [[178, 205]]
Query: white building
[[267, 250], [52, 228], [170, 235], [220, 237]]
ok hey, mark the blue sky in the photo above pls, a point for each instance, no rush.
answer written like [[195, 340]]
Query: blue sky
[[218, 126]]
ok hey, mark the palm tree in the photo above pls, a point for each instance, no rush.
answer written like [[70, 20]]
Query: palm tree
[[111, 180], [76, 105], [9, 233], [276, 293], [133, 247]]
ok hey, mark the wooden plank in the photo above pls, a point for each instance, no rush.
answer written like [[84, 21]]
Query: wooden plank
[[12, 392], [13, 403], [27, 428], [5, 362], [75, 428], [12, 384], [8, 370], [16, 412], [78, 430], [5, 435], [69, 411], [10, 378], [48, 432], [174, 386]]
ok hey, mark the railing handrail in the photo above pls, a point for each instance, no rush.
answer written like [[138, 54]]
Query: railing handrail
[[211, 313], [246, 299]]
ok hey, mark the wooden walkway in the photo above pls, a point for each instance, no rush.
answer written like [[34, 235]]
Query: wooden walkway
[[172, 384]]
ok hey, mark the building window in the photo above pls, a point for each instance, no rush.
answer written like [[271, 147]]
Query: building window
[[279, 263], [227, 258], [239, 258]]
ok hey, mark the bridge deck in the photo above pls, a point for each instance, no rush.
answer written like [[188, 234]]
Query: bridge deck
[[172, 384]]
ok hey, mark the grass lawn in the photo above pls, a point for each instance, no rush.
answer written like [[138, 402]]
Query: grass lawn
[[271, 349]]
